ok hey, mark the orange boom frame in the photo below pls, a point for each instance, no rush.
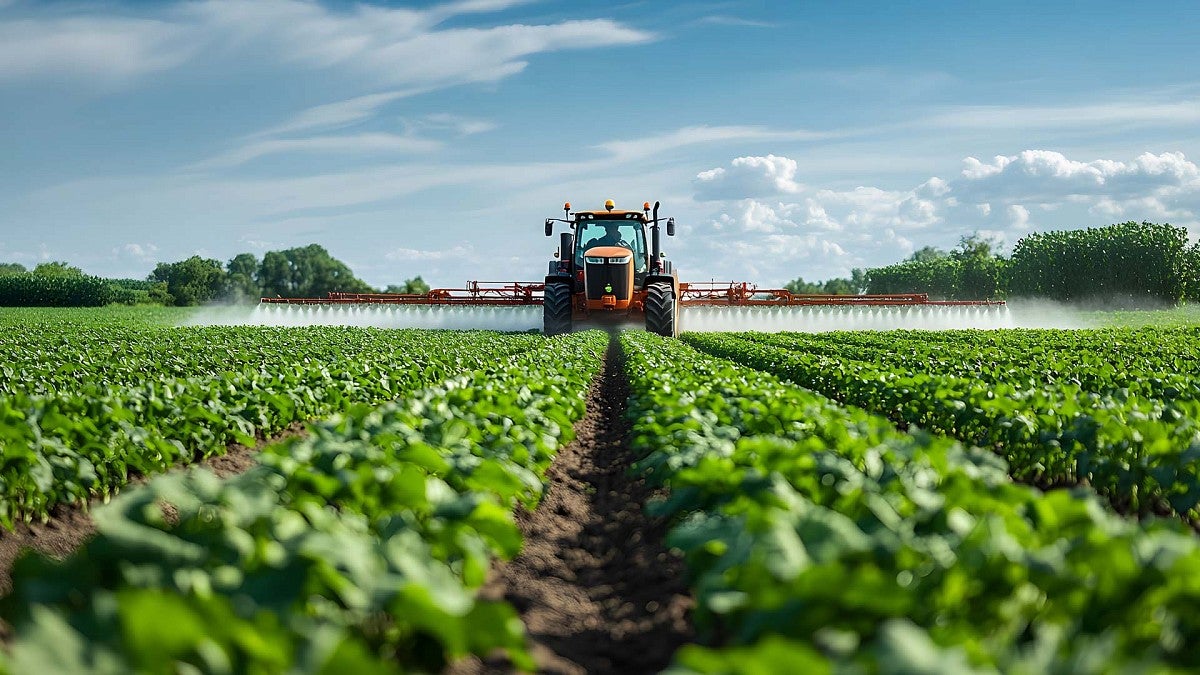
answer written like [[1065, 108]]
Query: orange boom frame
[[695, 294], [619, 277]]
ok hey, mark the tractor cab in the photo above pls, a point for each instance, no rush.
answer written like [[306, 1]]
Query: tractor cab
[[623, 229]]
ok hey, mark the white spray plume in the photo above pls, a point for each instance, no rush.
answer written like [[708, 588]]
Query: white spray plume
[[1016, 314], [373, 316], [823, 319]]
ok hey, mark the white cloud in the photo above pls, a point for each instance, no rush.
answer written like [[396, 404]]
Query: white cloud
[[339, 114], [1166, 184], [880, 225], [768, 176], [455, 124], [1144, 110], [1037, 170], [89, 48], [457, 253], [399, 45], [354, 144], [650, 146], [1018, 217], [139, 253], [734, 21], [386, 45]]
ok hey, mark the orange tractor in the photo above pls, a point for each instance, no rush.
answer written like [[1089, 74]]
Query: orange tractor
[[611, 268]]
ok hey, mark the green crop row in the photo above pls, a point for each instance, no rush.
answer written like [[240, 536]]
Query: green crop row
[[1141, 453], [818, 538], [58, 358], [75, 446], [357, 549], [1150, 362]]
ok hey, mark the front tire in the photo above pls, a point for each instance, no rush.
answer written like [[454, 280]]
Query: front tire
[[661, 311], [556, 309]]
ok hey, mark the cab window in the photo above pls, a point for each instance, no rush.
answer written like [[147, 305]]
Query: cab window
[[594, 233]]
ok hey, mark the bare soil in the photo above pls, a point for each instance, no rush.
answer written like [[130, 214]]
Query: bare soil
[[70, 525], [597, 590]]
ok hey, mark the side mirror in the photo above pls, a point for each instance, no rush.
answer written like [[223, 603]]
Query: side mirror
[[549, 226], [670, 227]]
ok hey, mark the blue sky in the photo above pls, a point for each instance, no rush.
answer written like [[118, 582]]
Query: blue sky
[[787, 138]]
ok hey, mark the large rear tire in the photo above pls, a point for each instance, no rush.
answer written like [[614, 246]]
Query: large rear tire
[[556, 309], [662, 315]]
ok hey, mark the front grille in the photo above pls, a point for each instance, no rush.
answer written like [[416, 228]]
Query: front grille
[[601, 276]]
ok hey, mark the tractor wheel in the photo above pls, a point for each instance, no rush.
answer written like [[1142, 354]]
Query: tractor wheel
[[556, 309], [661, 313]]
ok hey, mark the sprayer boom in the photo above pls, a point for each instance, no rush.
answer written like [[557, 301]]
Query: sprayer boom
[[483, 293], [694, 294]]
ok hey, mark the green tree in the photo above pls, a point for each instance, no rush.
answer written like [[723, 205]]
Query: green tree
[[12, 268], [800, 286], [307, 271], [242, 273], [193, 281], [975, 246], [57, 269], [926, 254], [980, 270], [858, 280], [416, 285], [838, 287]]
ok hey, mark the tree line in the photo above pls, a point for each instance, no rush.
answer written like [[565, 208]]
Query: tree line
[[307, 271], [1125, 263]]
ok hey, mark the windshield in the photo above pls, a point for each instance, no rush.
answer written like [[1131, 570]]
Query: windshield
[[627, 233]]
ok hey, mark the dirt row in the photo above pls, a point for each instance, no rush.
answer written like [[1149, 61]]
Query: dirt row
[[597, 590]]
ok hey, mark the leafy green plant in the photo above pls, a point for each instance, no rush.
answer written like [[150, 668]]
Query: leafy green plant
[[86, 410], [817, 536], [357, 549], [1139, 451]]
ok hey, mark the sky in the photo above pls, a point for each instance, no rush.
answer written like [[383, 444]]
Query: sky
[[788, 139]]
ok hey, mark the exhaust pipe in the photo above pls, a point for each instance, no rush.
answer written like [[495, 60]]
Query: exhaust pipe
[[655, 246], [565, 243]]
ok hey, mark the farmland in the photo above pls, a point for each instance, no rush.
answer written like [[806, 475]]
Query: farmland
[[958, 501]]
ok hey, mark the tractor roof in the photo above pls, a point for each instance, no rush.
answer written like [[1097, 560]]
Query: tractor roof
[[614, 214]]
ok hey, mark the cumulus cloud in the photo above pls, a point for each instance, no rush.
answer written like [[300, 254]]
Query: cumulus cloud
[[764, 210], [137, 252], [768, 176], [1033, 175]]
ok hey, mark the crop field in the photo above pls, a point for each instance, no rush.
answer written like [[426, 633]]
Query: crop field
[[336, 499]]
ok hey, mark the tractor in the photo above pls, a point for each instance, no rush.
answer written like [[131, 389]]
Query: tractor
[[610, 269]]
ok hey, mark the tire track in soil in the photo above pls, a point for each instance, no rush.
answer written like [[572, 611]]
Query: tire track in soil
[[594, 584], [70, 525]]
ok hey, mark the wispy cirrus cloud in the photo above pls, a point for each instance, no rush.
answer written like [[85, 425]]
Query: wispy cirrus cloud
[[339, 113], [734, 21], [357, 144], [98, 49], [1103, 113], [390, 46], [700, 135]]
